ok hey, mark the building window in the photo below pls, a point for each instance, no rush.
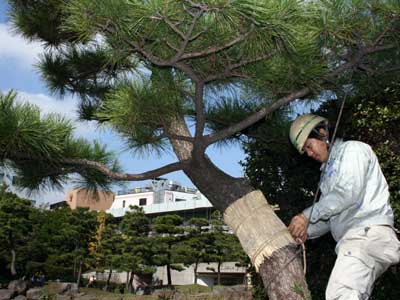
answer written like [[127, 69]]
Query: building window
[[142, 201], [123, 203], [179, 199]]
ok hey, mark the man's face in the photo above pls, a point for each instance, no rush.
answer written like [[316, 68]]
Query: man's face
[[316, 149]]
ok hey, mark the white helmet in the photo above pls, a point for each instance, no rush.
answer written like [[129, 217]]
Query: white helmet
[[301, 129]]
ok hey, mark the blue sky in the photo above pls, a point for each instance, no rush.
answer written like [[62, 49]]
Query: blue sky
[[17, 72]]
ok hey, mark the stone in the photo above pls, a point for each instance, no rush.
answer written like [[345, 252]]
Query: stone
[[85, 297], [68, 288], [63, 297], [18, 286], [34, 294], [6, 294], [20, 297], [163, 294]]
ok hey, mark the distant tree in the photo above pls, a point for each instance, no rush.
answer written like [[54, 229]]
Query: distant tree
[[108, 246], [136, 246], [196, 246], [78, 233], [15, 226], [148, 68], [49, 251], [169, 233], [224, 246]]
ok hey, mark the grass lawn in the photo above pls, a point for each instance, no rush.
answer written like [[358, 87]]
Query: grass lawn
[[193, 291]]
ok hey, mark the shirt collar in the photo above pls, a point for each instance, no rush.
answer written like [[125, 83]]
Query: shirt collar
[[335, 147]]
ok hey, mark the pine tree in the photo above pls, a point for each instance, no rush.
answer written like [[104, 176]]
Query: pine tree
[[136, 256], [227, 64], [170, 233], [196, 246], [15, 225]]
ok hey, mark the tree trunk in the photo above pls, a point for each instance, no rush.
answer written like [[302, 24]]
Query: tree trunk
[[196, 264], [78, 280], [74, 271], [261, 233], [130, 286], [281, 276], [106, 288], [219, 273], [127, 280], [169, 275], [13, 268]]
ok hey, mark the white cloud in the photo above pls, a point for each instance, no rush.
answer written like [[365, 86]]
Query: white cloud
[[48, 104], [17, 48]]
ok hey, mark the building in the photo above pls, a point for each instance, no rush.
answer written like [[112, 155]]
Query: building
[[58, 205], [163, 197], [207, 275], [102, 200], [231, 274]]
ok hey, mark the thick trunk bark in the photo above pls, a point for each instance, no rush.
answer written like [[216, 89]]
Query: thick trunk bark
[[282, 275], [13, 260], [262, 234]]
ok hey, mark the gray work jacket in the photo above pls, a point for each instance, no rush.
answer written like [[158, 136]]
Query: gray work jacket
[[354, 192]]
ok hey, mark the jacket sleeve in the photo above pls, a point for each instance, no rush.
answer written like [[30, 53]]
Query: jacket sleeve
[[317, 229], [346, 185]]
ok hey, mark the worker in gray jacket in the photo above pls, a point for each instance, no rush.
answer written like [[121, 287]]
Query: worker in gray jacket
[[354, 207]]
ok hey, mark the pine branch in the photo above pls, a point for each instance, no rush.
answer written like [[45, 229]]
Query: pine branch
[[172, 26], [124, 176], [228, 71], [354, 62], [257, 116], [200, 118], [188, 35], [216, 49]]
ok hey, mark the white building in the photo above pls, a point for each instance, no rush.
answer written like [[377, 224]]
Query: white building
[[161, 197], [231, 274]]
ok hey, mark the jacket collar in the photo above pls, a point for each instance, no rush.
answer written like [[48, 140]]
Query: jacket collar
[[333, 151]]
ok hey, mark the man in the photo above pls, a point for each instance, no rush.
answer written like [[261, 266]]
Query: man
[[354, 207]]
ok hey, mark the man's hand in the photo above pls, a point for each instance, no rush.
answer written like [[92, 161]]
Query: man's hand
[[298, 227]]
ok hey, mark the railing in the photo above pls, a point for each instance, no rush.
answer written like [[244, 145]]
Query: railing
[[150, 189], [165, 207]]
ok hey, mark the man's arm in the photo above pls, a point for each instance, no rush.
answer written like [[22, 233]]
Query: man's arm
[[347, 188]]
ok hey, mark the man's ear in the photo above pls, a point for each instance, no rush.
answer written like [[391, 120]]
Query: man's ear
[[323, 132]]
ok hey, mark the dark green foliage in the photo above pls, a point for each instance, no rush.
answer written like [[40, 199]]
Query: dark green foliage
[[136, 65], [60, 242], [15, 230], [36, 147], [223, 245], [197, 245], [40, 20], [169, 232], [135, 252]]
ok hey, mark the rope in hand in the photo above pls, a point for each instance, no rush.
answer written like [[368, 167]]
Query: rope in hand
[[301, 244]]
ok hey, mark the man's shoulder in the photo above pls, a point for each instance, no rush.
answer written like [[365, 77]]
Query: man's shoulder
[[356, 147]]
